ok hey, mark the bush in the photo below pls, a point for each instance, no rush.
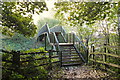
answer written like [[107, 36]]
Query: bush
[[27, 70]]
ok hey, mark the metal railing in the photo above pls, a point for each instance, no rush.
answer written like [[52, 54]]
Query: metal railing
[[78, 44]]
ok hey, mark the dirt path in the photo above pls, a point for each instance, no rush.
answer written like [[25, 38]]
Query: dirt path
[[82, 73]]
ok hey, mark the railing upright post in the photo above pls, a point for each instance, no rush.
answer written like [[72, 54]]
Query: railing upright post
[[61, 58], [70, 37], [73, 38], [45, 41]]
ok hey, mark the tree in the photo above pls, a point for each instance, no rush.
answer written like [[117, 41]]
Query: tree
[[83, 12], [86, 16], [119, 22], [17, 17]]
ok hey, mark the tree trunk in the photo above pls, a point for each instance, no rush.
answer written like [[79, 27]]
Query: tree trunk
[[119, 29], [118, 34]]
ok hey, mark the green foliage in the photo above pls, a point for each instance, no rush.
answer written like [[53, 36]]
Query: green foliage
[[84, 15], [28, 70], [17, 17], [19, 42], [41, 49], [83, 12]]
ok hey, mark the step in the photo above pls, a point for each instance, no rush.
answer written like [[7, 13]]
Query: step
[[70, 46], [70, 55], [69, 52], [71, 61], [67, 47], [66, 44], [71, 58], [72, 64]]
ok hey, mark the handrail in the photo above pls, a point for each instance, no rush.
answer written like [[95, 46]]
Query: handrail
[[48, 28], [48, 38], [109, 64], [58, 29], [56, 40], [49, 42], [77, 42], [79, 54], [80, 42], [63, 30], [107, 46], [44, 29], [63, 37], [108, 54]]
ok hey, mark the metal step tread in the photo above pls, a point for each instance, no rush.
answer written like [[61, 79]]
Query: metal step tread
[[70, 55], [71, 61], [69, 50], [71, 58], [71, 64], [66, 44], [69, 47]]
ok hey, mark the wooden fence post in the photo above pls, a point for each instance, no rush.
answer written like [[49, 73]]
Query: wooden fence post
[[93, 56], [87, 53], [16, 60], [105, 57], [50, 65]]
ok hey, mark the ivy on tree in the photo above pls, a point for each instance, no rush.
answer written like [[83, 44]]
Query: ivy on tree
[[17, 17]]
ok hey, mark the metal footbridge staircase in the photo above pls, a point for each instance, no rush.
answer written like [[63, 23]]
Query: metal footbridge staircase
[[71, 50]]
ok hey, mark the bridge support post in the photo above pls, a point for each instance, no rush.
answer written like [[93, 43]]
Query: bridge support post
[[45, 40], [50, 64], [61, 58]]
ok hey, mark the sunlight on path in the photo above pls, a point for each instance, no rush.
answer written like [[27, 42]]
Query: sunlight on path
[[82, 72]]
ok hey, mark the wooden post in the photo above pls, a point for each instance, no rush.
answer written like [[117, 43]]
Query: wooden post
[[105, 57], [93, 56], [50, 65], [16, 60], [45, 40], [87, 53], [73, 38], [53, 38], [67, 38], [61, 58], [70, 37]]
